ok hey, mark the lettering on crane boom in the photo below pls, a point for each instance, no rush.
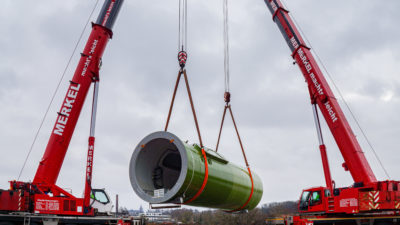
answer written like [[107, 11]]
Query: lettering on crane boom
[[332, 114], [314, 80], [273, 5], [309, 68], [89, 164], [89, 58], [108, 13], [66, 109], [71, 95]]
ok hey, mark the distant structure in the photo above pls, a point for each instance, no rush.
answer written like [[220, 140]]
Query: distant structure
[[156, 217]]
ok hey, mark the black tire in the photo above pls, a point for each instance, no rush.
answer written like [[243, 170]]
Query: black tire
[[6, 223], [383, 223]]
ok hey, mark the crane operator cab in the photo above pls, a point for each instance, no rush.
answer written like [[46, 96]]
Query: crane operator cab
[[312, 200], [100, 200]]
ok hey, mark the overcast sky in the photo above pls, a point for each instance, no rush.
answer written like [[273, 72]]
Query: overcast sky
[[358, 42]]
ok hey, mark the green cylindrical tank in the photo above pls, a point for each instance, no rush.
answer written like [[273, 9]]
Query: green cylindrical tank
[[163, 169]]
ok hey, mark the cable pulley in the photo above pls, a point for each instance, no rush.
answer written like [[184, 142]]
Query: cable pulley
[[182, 57]]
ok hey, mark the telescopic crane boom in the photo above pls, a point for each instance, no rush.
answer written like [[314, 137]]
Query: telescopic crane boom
[[86, 73], [43, 196], [322, 95], [385, 194]]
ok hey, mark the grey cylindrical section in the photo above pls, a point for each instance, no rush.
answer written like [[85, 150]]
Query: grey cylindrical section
[[109, 13], [148, 160]]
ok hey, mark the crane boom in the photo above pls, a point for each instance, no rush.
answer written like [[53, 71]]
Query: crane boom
[[43, 196], [322, 95], [85, 73]]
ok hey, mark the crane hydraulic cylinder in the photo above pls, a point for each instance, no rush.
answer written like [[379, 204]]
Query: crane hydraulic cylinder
[[163, 169]]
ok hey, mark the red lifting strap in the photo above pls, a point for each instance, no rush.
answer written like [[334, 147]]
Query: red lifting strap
[[204, 181], [251, 193], [183, 71], [228, 106], [183, 56]]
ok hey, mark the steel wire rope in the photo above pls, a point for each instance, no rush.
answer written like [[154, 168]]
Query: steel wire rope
[[57, 88], [227, 98], [340, 94], [185, 25], [182, 57], [226, 44], [182, 27], [179, 24]]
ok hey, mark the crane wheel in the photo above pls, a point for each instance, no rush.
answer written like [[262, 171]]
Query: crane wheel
[[6, 223]]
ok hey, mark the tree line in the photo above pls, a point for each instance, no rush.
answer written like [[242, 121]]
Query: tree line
[[256, 216]]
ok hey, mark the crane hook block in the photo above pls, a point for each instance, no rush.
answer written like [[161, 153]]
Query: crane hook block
[[227, 97], [182, 57]]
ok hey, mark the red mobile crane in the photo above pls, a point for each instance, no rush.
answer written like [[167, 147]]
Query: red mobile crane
[[43, 196], [366, 196]]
